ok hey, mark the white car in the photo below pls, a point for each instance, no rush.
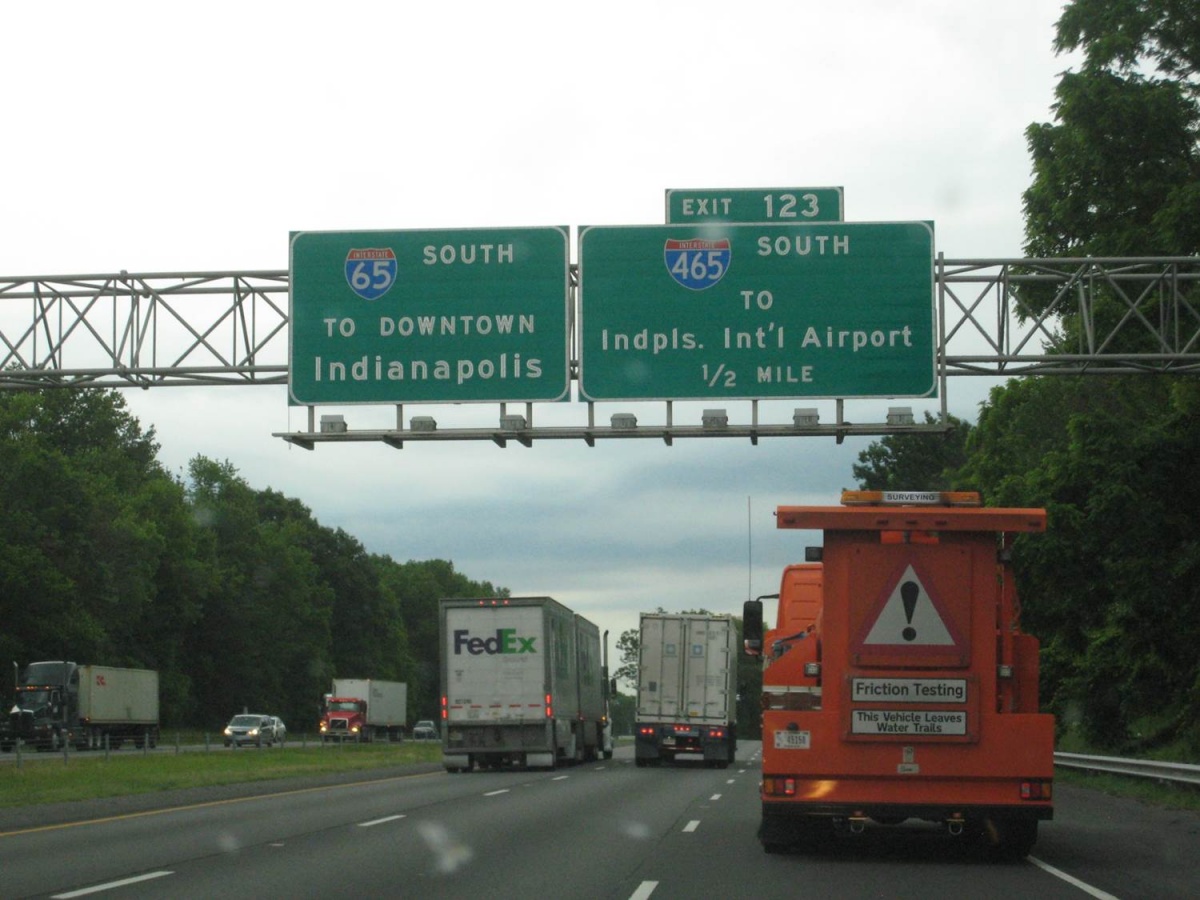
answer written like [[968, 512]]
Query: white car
[[251, 728], [425, 730]]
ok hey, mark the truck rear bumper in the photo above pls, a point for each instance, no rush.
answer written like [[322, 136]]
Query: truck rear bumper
[[496, 744], [656, 740], [885, 812]]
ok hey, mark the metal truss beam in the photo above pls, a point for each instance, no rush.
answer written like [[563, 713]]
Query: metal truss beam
[[168, 329], [1152, 304], [144, 330]]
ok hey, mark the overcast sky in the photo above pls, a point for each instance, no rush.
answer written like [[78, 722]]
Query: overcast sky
[[152, 137]]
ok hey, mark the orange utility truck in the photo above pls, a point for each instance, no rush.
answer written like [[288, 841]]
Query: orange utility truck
[[897, 683]]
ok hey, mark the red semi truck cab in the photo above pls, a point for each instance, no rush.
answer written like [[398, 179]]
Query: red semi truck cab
[[343, 718], [897, 683]]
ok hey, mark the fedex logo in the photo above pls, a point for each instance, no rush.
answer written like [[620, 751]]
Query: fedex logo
[[506, 641]]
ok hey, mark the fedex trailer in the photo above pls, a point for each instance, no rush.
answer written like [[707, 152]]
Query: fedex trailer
[[522, 684]]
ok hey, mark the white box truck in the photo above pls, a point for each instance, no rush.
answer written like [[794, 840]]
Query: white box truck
[[364, 709], [522, 683], [687, 688]]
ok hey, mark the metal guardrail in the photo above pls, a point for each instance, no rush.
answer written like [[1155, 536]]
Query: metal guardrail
[[1138, 768]]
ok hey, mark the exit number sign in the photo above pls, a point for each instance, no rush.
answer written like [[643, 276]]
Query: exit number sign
[[784, 205]]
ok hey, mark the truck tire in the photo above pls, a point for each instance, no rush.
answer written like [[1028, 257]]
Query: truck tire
[[1013, 840], [802, 833]]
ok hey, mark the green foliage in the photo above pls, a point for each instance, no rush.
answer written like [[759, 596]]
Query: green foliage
[[914, 462], [1117, 175], [1112, 587], [238, 597], [627, 648]]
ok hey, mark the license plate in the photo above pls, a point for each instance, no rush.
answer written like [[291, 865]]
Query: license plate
[[793, 740]]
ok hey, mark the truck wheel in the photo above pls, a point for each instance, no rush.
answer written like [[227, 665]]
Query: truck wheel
[[803, 833], [1015, 838]]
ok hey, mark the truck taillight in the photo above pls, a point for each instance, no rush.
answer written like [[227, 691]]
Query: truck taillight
[[445, 710], [716, 732], [1036, 790], [647, 730], [779, 786], [549, 708]]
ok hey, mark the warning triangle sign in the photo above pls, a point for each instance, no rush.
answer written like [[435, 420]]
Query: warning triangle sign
[[908, 624], [909, 617]]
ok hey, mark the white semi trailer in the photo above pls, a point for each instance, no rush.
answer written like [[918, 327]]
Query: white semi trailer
[[687, 688], [522, 683]]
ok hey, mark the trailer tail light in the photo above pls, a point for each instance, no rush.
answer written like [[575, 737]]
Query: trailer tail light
[[445, 711], [647, 730], [1036, 790], [779, 786], [549, 708], [716, 732]]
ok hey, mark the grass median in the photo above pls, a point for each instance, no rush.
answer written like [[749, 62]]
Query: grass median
[[91, 776]]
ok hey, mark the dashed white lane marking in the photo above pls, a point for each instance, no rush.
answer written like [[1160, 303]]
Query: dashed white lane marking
[[644, 890], [379, 821], [110, 885], [496, 793], [691, 826], [715, 797], [1072, 880]]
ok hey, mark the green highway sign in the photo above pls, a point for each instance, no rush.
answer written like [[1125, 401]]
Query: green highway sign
[[429, 316], [742, 311], [783, 205]]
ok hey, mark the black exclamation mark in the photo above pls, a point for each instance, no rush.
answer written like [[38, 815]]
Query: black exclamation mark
[[910, 592]]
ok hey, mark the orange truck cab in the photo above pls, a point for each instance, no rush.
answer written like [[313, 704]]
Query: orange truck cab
[[896, 682]]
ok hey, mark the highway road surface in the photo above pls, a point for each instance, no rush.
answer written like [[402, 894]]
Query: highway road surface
[[598, 830]]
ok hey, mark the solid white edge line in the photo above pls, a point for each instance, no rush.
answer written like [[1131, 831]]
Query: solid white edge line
[[379, 821], [691, 826], [108, 886], [1072, 880], [644, 890]]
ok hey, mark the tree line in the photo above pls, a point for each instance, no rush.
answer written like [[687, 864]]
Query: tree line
[[238, 597], [1113, 588]]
